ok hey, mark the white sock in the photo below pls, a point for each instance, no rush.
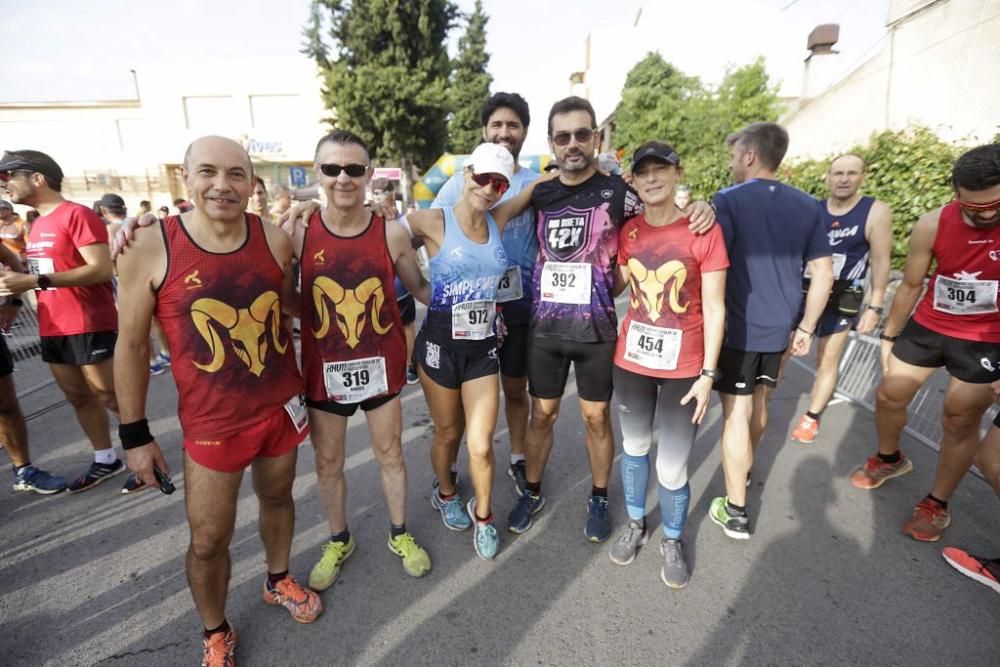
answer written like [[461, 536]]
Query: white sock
[[516, 458], [105, 456]]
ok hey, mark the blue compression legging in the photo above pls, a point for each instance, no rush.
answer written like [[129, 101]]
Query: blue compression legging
[[645, 402]]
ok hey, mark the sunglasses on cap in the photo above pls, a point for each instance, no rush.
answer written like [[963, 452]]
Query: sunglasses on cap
[[353, 170], [582, 136], [499, 183]]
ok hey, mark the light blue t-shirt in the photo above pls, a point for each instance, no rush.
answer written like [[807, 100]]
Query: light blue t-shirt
[[519, 239]]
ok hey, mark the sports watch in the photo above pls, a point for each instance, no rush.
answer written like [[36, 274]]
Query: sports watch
[[44, 282]]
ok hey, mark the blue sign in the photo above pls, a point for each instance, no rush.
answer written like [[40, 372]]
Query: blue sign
[[298, 176]]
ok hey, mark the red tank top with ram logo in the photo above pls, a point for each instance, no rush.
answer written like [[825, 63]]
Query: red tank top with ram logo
[[353, 346], [232, 360]]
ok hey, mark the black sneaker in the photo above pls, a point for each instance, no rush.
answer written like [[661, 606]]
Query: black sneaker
[[516, 473], [97, 473], [598, 526], [133, 484], [736, 527]]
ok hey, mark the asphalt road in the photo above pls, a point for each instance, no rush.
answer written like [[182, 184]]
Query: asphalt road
[[827, 579]]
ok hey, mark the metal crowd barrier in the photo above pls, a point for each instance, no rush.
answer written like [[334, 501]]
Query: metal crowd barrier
[[31, 374], [860, 374]]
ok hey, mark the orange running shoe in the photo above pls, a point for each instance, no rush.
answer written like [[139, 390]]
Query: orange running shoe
[[875, 472], [984, 570], [303, 604], [220, 649], [928, 521], [806, 431]]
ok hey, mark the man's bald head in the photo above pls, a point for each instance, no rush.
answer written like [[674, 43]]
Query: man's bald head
[[217, 146], [850, 161]]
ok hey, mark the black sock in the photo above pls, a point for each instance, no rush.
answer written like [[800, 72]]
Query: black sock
[[395, 531], [274, 577], [344, 537], [814, 415], [890, 458], [534, 487], [454, 477], [601, 491], [942, 503], [735, 510], [222, 628]]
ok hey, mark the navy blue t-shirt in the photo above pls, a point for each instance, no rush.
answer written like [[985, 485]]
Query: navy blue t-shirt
[[771, 231]]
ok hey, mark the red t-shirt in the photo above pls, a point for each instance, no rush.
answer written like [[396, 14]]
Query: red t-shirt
[[662, 335], [963, 299], [53, 246]]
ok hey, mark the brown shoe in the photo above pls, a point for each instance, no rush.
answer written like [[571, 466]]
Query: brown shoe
[[928, 521]]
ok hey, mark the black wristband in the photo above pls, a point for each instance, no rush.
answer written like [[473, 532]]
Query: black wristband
[[808, 333], [14, 301], [891, 339], [135, 434]]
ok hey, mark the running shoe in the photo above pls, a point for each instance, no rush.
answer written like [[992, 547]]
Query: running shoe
[[411, 375], [519, 520], [416, 562], [736, 527], [598, 526], [516, 474], [453, 515], [97, 473], [30, 478], [806, 431], [303, 604], [325, 572], [133, 484], [486, 538], [984, 570], [928, 521], [162, 359], [156, 368], [220, 649], [674, 572], [875, 472], [623, 551]]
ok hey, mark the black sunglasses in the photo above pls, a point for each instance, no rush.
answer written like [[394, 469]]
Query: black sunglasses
[[582, 136], [353, 170], [8, 174]]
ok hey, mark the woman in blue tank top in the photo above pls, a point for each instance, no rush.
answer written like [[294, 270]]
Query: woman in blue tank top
[[456, 350]]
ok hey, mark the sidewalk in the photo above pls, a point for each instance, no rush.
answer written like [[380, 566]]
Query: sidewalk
[[827, 579]]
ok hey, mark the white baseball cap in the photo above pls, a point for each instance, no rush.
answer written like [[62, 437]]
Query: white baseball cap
[[492, 159]]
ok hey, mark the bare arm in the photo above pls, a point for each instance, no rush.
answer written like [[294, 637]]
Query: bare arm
[[506, 211], [9, 258], [97, 269], [140, 270], [405, 261], [427, 225], [621, 281], [879, 233], [713, 307], [821, 270], [918, 264]]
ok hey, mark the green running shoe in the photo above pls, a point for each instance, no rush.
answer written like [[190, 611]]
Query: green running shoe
[[325, 572]]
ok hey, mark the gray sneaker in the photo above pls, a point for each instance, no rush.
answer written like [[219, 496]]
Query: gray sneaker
[[675, 570], [623, 551]]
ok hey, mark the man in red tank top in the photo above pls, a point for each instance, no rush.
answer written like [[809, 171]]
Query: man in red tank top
[[956, 325], [353, 345], [218, 299], [70, 269]]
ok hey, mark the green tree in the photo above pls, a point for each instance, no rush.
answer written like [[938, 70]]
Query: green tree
[[470, 84], [388, 77]]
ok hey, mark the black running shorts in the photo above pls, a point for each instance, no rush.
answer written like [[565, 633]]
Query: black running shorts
[[79, 349], [6, 359], [450, 368], [742, 371], [514, 352], [969, 361], [348, 409], [548, 368]]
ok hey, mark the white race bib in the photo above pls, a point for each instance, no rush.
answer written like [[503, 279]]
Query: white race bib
[[655, 348], [296, 409], [473, 320], [356, 380], [566, 282], [965, 297], [510, 288], [839, 260]]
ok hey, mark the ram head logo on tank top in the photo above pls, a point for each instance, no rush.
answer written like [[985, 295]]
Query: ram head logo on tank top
[[349, 308], [247, 328], [648, 286]]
